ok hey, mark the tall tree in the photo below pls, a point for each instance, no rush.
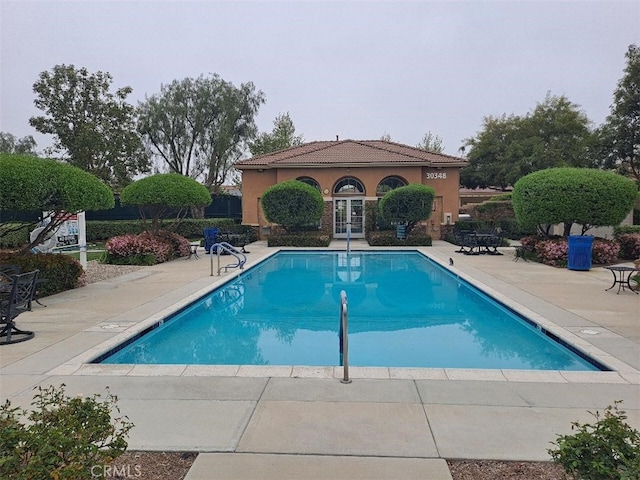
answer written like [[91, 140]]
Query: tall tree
[[431, 143], [20, 146], [555, 134], [200, 127], [93, 128], [621, 131], [281, 137]]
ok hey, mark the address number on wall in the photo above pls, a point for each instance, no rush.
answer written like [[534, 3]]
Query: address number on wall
[[436, 175]]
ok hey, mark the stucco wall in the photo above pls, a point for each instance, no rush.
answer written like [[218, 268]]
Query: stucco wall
[[445, 181]]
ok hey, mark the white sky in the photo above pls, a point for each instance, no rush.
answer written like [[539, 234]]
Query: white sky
[[347, 68]]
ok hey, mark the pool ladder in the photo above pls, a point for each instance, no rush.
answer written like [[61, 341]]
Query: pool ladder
[[344, 337], [231, 250]]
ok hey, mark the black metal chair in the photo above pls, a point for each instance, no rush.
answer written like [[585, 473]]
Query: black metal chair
[[8, 269], [15, 298]]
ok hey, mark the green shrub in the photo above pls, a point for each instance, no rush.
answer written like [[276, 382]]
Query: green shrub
[[565, 195], [292, 205], [625, 229], [306, 239], [388, 238], [62, 272], [609, 449], [62, 437], [408, 205], [29, 183], [629, 245], [100, 230], [165, 194], [10, 238]]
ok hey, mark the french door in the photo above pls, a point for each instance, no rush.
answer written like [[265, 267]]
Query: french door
[[348, 213]]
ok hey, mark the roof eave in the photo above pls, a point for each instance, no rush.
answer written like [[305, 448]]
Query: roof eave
[[273, 166]]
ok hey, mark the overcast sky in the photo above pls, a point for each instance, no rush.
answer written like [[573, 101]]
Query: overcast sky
[[353, 69]]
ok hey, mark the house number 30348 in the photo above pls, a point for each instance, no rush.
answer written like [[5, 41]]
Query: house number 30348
[[436, 175]]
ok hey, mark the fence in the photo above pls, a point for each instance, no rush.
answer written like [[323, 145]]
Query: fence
[[224, 206]]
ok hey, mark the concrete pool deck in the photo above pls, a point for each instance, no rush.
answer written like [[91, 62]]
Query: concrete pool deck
[[302, 422]]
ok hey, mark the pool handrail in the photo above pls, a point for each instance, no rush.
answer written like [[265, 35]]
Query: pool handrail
[[231, 250], [344, 337]]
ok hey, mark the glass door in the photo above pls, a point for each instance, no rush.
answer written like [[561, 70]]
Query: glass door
[[348, 212]]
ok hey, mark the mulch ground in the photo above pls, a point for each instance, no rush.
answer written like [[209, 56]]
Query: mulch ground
[[175, 465]]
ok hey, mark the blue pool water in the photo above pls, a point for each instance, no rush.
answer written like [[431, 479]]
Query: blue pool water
[[404, 311]]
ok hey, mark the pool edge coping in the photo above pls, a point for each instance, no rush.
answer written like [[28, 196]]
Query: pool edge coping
[[621, 372]]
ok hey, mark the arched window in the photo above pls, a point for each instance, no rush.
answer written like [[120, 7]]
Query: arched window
[[309, 181], [349, 186], [388, 184]]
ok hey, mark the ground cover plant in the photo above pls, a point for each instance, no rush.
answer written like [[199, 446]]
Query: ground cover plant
[[62, 437], [608, 449]]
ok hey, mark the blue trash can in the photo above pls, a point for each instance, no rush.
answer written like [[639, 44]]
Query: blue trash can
[[579, 254]]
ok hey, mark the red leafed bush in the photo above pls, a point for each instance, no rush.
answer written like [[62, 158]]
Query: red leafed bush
[[145, 249], [555, 251], [604, 251], [552, 252]]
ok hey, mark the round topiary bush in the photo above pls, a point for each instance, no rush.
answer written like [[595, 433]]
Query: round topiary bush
[[408, 205], [585, 196], [292, 204], [163, 194]]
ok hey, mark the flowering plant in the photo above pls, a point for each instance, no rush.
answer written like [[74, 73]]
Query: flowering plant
[[146, 248], [552, 252], [604, 251]]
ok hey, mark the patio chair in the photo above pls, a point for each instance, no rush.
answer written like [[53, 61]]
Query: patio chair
[[15, 298], [211, 236], [7, 270], [466, 240]]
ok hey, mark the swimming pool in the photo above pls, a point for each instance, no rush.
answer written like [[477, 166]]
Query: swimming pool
[[404, 311]]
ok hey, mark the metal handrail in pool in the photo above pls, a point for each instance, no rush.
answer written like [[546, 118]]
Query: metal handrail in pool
[[344, 337], [231, 250]]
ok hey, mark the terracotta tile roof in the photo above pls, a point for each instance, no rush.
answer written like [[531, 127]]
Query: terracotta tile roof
[[351, 153]]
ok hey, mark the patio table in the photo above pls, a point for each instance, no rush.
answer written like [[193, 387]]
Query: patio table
[[622, 278]]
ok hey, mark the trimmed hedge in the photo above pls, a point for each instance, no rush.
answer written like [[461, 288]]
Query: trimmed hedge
[[62, 272], [188, 228], [100, 230], [306, 239], [386, 238]]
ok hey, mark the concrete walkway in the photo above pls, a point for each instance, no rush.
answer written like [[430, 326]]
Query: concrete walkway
[[302, 422]]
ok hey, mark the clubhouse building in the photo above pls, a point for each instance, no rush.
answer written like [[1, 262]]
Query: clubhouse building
[[349, 174]]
